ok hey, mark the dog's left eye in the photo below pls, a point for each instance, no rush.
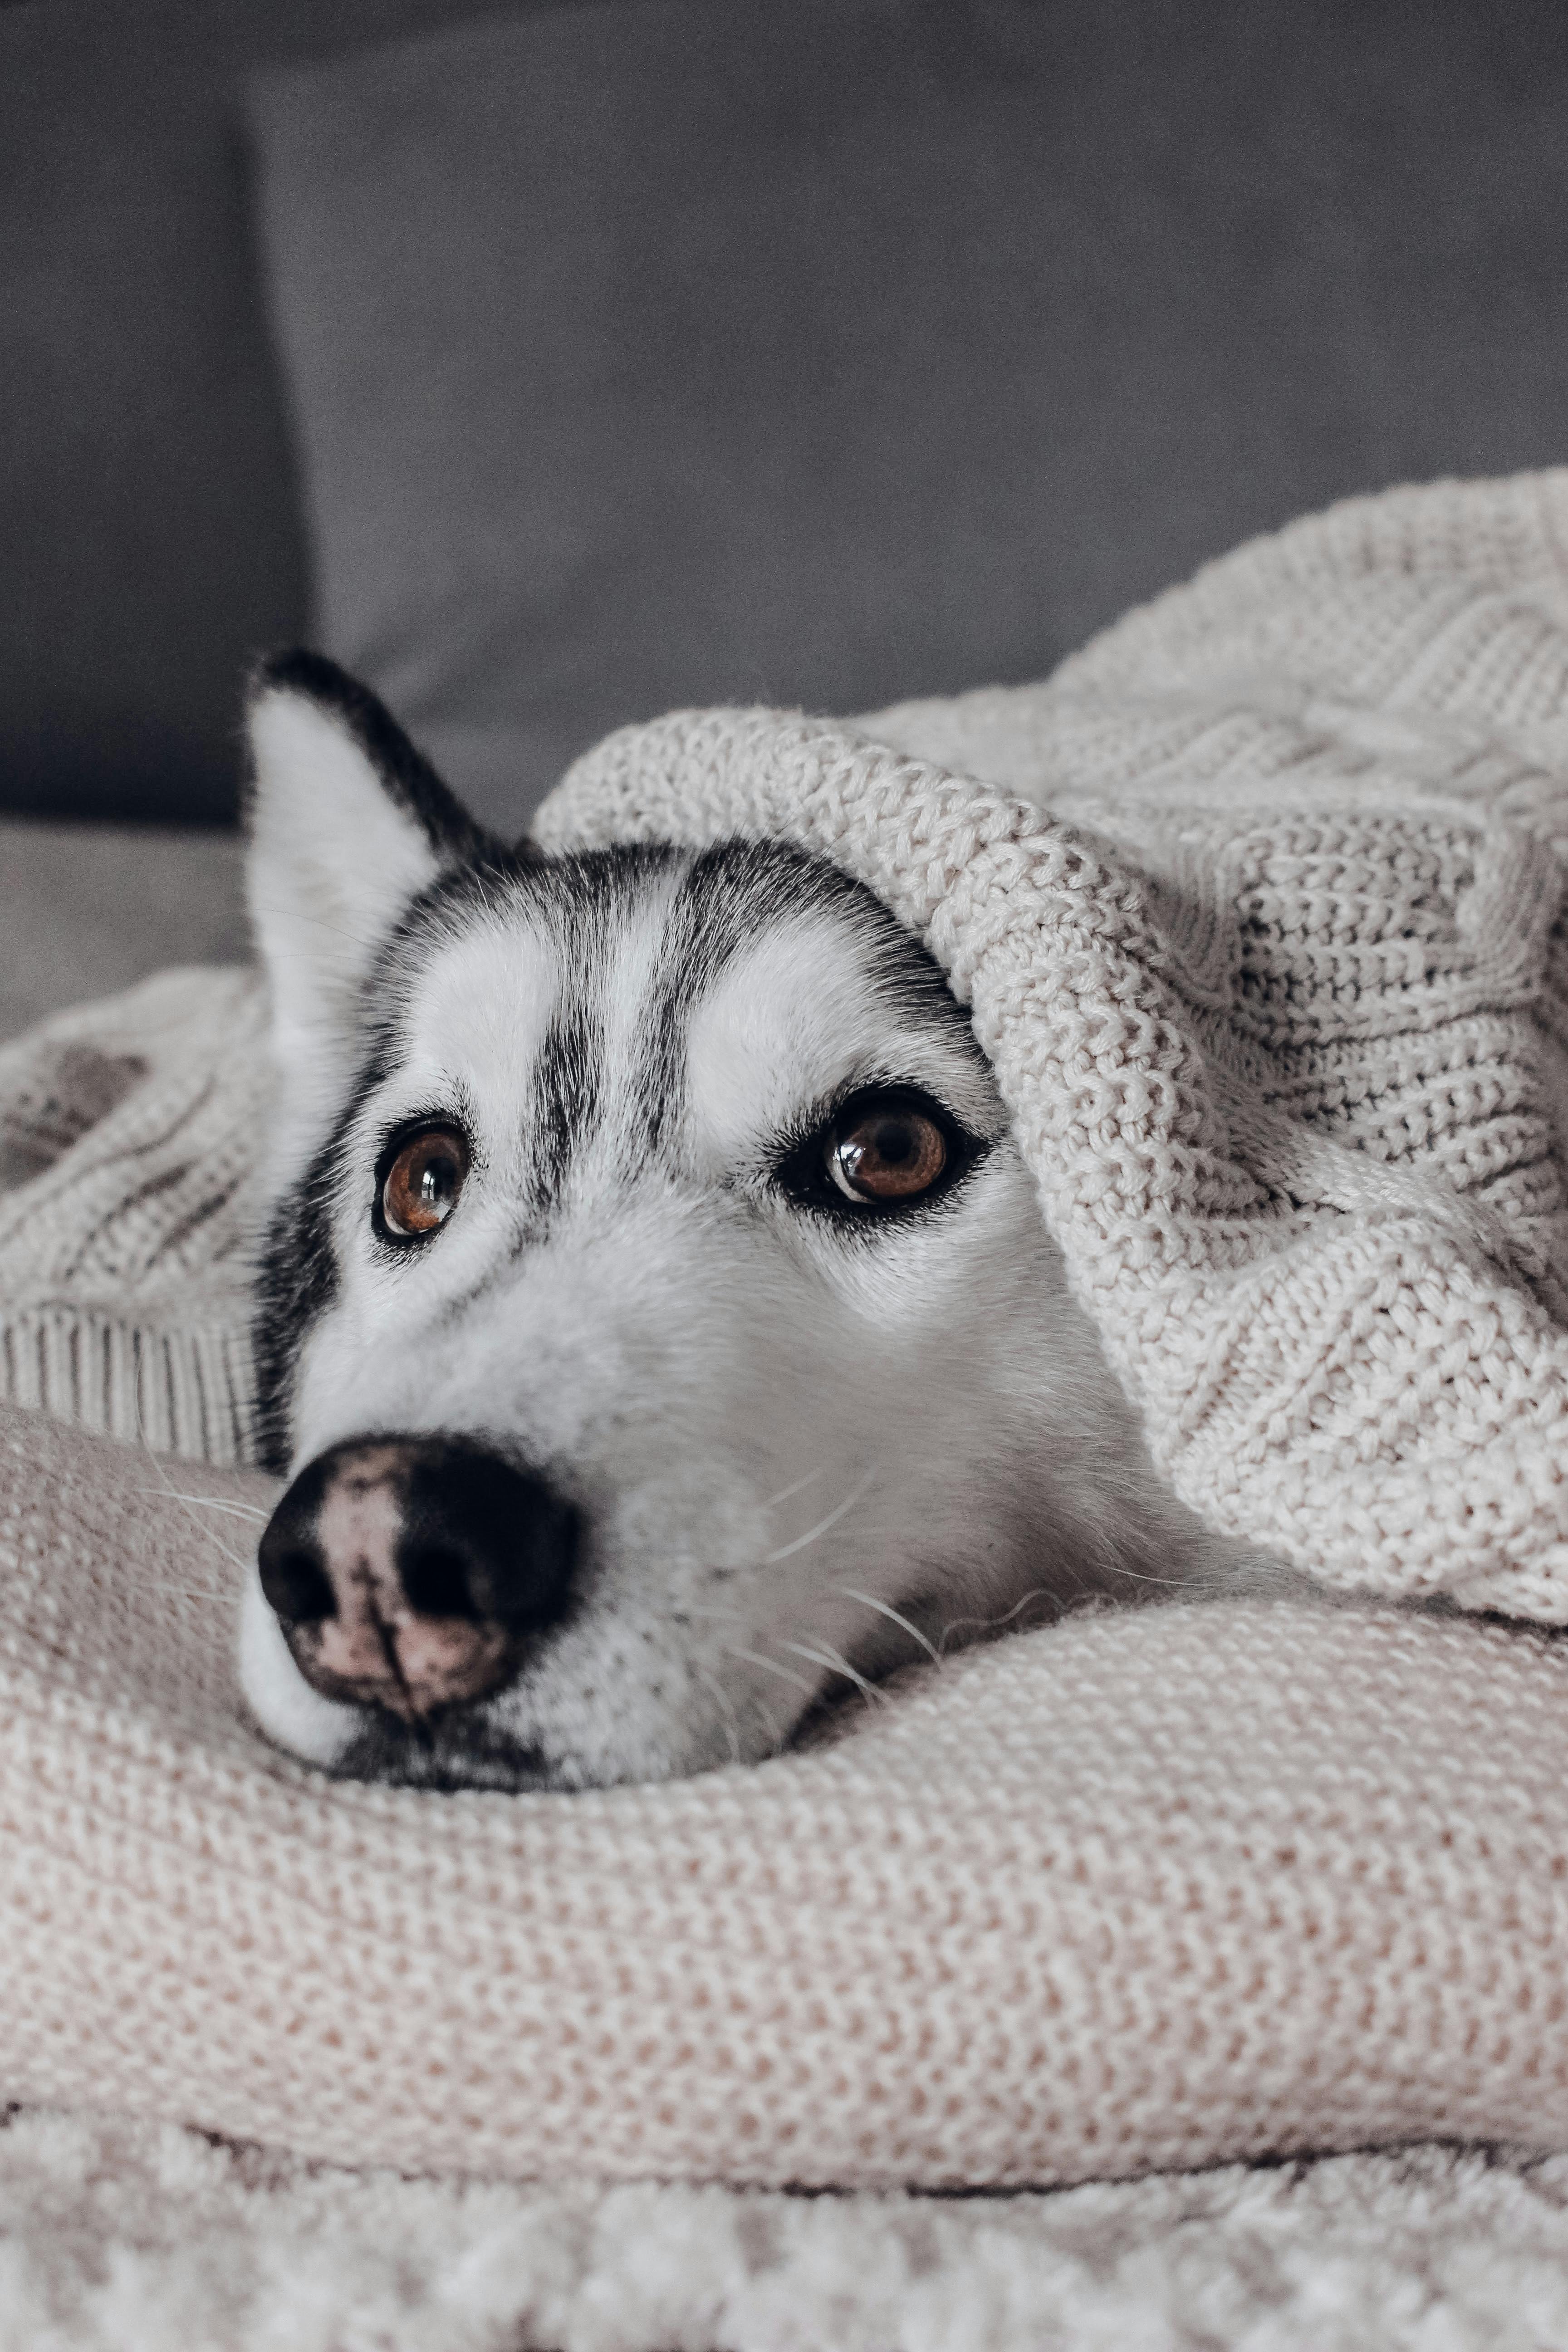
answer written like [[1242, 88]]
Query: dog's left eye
[[886, 1152], [420, 1188]]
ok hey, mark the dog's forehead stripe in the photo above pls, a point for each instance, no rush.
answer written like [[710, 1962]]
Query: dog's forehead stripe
[[569, 1091], [642, 940]]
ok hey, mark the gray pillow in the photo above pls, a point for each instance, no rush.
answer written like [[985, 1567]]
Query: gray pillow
[[149, 525], [836, 350]]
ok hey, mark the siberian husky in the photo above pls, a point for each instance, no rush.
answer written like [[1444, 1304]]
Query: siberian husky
[[656, 1321]]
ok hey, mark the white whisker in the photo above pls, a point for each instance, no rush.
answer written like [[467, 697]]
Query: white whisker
[[240, 1562], [784, 1492], [830, 1658], [989, 1624], [885, 1609], [755, 1658], [1143, 1576], [814, 1535], [775, 1736], [168, 1487], [210, 1503], [731, 1721]]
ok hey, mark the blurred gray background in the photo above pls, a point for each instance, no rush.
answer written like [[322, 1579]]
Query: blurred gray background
[[552, 365]]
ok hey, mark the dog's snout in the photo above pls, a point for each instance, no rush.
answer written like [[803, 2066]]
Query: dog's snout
[[411, 1572]]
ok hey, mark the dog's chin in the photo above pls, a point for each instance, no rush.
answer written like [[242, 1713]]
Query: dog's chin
[[447, 1755], [464, 1752]]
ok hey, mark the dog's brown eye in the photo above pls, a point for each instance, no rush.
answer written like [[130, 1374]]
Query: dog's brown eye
[[890, 1154], [423, 1182]]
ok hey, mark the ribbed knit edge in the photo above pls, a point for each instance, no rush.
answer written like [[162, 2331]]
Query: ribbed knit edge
[[184, 1391]]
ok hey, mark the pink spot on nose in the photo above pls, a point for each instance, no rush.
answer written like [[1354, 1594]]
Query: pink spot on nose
[[377, 1647]]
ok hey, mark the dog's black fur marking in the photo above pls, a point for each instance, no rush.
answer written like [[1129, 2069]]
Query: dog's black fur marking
[[566, 1094], [405, 773], [728, 895], [296, 1282], [729, 892], [459, 1750]]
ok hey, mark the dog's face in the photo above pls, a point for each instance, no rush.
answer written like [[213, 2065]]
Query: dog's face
[[657, 1319]]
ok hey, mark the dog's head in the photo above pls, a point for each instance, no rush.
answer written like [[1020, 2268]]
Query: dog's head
[[656, 1319]]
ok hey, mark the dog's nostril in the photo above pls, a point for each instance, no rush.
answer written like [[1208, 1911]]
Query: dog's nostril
[[296, 1583], [435, 1581], [483, 1540]]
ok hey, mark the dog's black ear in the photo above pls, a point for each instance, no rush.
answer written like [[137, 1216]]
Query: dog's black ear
[[347, 824], [302, 682]]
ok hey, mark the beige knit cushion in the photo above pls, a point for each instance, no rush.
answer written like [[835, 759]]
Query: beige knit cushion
[[1145, 1890]]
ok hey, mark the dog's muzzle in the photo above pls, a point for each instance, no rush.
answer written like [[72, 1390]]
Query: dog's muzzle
[[411, 1573]]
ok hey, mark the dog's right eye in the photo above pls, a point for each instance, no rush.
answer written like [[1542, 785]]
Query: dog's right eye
[[420, 1188]]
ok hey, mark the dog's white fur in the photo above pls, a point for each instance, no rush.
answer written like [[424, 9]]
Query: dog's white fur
[[803, 1455]]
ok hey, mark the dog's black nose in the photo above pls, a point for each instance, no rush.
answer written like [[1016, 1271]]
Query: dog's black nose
[[411, 1572]]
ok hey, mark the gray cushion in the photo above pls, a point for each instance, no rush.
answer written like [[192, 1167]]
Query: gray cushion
[[837, 350], [149, 513]]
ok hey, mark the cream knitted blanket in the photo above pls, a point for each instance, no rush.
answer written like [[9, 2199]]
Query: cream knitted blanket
[[1273, 993]]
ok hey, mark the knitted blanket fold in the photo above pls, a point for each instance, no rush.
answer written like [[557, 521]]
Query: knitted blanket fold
[[127, 1133], [1258, 907]]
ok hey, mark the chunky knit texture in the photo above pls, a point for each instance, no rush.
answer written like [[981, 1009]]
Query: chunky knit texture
[[1149, 1889]]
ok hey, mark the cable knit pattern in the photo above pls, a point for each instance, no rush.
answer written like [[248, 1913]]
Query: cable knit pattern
[[1149, 1889]]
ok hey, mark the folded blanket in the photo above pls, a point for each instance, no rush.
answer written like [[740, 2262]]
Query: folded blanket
[[1275, 994], [127, 1133]]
